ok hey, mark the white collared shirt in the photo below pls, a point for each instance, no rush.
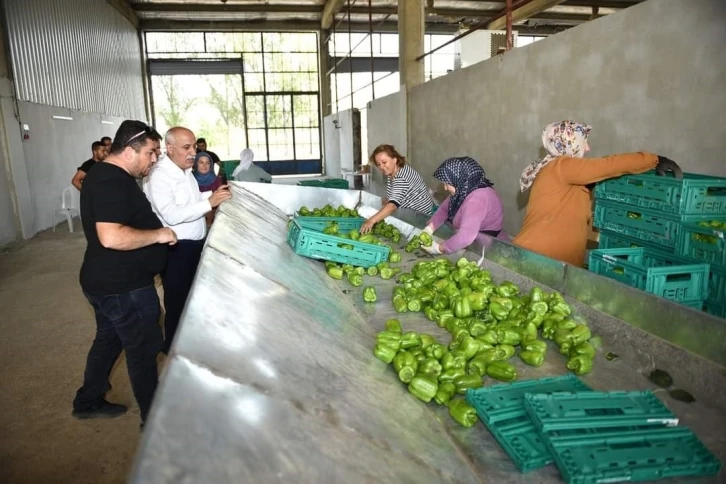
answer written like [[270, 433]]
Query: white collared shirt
[[175, 197]]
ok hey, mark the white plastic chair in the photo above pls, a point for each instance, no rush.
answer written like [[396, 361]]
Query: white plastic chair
[[69, 207]]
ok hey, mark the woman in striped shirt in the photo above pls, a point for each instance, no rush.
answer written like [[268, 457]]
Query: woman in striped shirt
[[405, 189]]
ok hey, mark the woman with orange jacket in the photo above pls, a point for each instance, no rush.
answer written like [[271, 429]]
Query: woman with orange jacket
[[559, 215]]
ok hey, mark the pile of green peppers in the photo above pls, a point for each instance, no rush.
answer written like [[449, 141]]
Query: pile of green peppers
[[417, 241], [354, 275], [382, 229], [328, 211], [430, 370], [487, 322]]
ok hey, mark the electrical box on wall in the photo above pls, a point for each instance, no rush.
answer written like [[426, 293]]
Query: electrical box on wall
[[26, 132], [482, 45]]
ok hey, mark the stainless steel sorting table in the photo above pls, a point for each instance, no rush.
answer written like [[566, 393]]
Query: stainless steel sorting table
[[272, 377]]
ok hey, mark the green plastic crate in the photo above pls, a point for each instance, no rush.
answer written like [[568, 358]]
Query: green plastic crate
[[345, 224], [316, 245], [339, 183], [678, 283], [702, 243], [661, 258], [632, 455], [651, 226], [229, 167], [501, 408], [612, 240], [693, 195]]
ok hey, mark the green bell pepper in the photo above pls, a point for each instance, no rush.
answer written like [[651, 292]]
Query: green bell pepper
[[436, 350], [535, 345], [394, 326], [469, 346], [467, 382], [425, 239], [405, 360], [418, 353], [390, 339], [451, 374], [384, 353], [477, 327], [477, 300], [508, 337], [494, 354], [549, 328], [489, 336], [423, 387], [303, 211], [536, 295], [532, 358], [426, 340], [453, 359], [500, 307], [507, 289], [394, 257], [566, 324], [580, 364], [335, 272], [527, 332], [410, 340], [430, 367], [462, 308], [563, 336], [443, 317], [446, 392], [430, 313], [501, 370], [372, 271], [414, 304], [585, 349], [400, 305], [355, 279], [361, 271], [477, 366], [331, 228], [507, 350], [580, 334], [539, 307], [387, 273], [462, 412], [369, 294]]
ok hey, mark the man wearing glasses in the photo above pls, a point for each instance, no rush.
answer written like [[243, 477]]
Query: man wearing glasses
[[127, 248], [174, 195]]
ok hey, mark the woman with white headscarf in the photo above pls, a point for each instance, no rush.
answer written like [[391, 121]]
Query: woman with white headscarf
[[559, 212]]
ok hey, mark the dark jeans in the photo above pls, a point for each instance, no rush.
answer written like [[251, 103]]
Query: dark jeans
[[181, 266], [127, 321]]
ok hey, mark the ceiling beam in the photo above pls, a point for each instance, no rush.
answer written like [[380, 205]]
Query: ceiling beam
[[528, 10], [124, 8], [600, 3], [329, 10], [221, 8], [312, 26]]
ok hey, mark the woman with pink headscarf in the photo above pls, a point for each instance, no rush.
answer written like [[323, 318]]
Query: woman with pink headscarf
[[559, 215]]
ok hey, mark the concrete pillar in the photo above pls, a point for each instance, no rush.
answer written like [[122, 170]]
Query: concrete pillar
[[411, 29], [323, 63]]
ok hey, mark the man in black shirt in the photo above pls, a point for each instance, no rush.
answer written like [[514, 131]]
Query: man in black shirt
[[127, 247], [99, 154], [202, 146], [107, 143]]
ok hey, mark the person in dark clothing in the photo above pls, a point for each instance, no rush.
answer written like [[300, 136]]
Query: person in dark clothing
[[202, 146], [107, 142], [99, 154], [127, 248]]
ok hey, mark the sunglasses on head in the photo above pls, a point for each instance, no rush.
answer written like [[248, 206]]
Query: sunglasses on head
[[149, 130]]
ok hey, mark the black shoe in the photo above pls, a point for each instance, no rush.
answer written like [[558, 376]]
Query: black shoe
[[105, 410]]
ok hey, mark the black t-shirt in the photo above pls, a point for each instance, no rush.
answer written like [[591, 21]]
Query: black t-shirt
[[110, 194], [87, 165]]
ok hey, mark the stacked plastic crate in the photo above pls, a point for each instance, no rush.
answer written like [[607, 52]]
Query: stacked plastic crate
[[680, 225], [590, 436]]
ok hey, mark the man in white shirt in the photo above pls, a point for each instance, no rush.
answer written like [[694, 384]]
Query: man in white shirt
[[175, 197]]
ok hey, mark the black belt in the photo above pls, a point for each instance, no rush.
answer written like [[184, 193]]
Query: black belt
[[492, 233]]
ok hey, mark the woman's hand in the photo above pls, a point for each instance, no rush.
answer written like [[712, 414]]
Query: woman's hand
[[367, 226], [435, 248]]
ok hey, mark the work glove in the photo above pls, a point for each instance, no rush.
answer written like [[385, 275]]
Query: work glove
[[434, 249], [665, 165], [429, 229]]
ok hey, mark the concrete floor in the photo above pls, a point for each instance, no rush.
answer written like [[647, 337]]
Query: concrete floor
[[46, 329]]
